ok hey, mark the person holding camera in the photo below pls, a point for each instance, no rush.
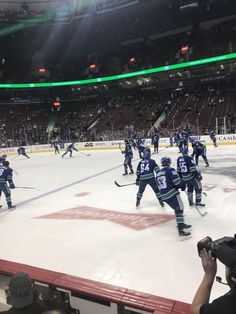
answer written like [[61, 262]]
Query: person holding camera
[[223, 249]]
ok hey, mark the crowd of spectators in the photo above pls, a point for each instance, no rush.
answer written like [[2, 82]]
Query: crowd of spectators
[[197, 108], [22, 124]]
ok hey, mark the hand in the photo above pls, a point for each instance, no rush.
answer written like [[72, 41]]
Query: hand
[[192, 155], [199, 177], [122, 152], [183, 187], [12, 186], [208, 263]]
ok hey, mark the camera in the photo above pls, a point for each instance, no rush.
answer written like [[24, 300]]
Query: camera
[[224, 249]]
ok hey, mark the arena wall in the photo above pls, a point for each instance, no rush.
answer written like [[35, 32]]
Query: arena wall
[[222, 139], [88, 296]]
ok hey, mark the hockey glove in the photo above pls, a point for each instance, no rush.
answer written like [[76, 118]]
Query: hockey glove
[[199, 177], [183, 187], [12, 185]]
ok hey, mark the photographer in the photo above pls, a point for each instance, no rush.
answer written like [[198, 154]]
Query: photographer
[[225, 250]]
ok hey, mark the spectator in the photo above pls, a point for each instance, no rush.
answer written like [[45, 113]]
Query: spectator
[[21, 296], [226, 304]]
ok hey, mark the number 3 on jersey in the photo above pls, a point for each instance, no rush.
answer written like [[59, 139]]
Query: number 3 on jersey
[[161, 182]]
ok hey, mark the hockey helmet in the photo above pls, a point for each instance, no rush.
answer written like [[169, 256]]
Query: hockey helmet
[[184, 151], [165, 161], [146, 153], [5, 163]]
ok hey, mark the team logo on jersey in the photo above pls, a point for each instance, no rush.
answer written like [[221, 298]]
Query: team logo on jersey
[[130, 220]]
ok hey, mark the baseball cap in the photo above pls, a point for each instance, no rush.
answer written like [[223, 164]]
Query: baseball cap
[[21, 290]]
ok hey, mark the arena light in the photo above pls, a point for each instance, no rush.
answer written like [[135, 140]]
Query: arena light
[[42, 70], [185, 48], [92, 66], [126, 75]]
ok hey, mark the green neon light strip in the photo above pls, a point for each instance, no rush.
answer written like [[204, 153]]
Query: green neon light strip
[[126, 75]]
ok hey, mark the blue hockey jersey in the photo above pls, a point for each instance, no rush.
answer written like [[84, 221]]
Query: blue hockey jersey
[[155, 138], [198, 148], [186, 168], [168, 181], [146, 169], [128, 151], [5, 174], [21, 150]]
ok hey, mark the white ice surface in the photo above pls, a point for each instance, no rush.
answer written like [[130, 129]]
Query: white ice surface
[[152, 260]]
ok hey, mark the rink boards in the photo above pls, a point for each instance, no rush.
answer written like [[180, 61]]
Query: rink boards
[[222, 139]]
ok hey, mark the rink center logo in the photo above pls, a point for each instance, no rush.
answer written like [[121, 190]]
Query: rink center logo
[[132, 221]]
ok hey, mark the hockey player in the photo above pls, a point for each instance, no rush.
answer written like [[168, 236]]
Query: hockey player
[[212, 135], [56, 146], [5, 178], [185, 137], [187, 170], [155, 141], [140, 145], [145, 175], [168, 182], [177, 140], [69, 149], [21, 151], [132, 143], [199, 149], [128, 158]]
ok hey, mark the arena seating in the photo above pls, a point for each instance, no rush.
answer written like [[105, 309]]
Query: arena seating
[[195, 107]]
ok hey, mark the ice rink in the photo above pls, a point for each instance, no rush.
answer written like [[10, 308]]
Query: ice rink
[[79, 222]]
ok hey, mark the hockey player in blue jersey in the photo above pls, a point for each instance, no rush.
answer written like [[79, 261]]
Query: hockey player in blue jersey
[[177, 140], [69, 149], [187, 170], [155, 141], [5, 179], [146, 170], [140, 146], [128, 158], [168, 182], [199, 149], [56, 146], [185, 138], [21, 151], [212, 135]]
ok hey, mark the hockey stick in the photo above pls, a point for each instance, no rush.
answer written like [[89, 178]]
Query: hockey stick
[[13, 158], [202, 214], [25, 187], [84, 153], [122, 185]]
